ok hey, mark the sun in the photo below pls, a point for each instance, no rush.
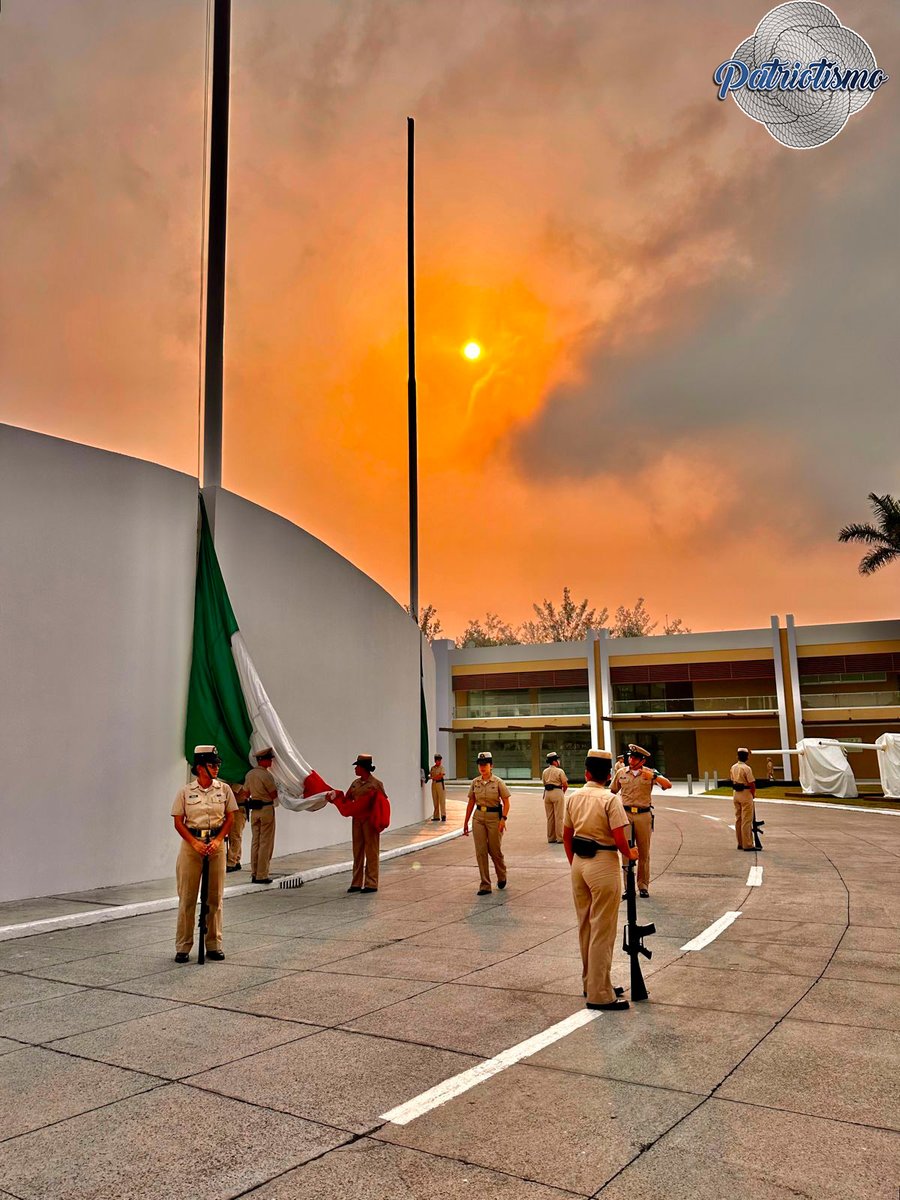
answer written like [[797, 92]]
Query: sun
[[471, 351]]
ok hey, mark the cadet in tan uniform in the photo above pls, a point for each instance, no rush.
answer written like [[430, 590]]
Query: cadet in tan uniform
[[593, 833], [635, 783], [357, 802], [743, 786], [438, 789], [489, 798], [555, 784], [236, 834], [262, 797], [203, 813]]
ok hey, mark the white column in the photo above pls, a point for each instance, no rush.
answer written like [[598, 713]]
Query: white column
[[794, 667], [606, 742], [782, 699]]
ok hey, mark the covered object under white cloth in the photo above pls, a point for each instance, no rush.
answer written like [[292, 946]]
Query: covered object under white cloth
[[889, 763], [824, 769]]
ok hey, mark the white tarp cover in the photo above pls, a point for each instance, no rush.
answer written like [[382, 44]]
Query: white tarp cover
[[290, 767], [824, 769], [889, 763]]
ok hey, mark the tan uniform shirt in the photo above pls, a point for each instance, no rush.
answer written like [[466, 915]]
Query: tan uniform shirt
[[635, 789], [594, 812], [260, 782], [204, 808], [741, 773], [554, 777], [490, 791], [437, 774]]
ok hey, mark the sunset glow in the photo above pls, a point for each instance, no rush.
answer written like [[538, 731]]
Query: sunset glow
[[471, 351]]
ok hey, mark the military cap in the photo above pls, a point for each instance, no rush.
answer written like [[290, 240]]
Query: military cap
[[600, 757], [485, 756], [198, 750], [439, 758], [266, 752], [205, 756], [365, 761], [632, 749], [742, 750], [552, 756]]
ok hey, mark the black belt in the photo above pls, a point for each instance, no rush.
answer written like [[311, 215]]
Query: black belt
[[740, 787], [587, 848], [632, 809], [552, 787], [202, 833], [256, 804], [484, 808]]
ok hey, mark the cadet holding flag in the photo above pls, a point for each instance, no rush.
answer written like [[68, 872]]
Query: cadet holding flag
[[635, 782]]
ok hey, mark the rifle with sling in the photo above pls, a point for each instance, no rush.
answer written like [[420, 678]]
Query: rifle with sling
[[204, 909], [634, 934]]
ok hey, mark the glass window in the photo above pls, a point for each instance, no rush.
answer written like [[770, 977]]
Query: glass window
[[511, 751]]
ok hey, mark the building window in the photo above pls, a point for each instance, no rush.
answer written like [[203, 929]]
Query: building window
[[844, 677]]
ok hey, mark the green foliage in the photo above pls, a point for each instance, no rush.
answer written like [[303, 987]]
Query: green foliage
[[884, 535]]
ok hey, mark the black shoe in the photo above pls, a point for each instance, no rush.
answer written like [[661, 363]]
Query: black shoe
[[749, 849], [215, 955], [483, 892], [443, 818], [236, 867], [619, 992], [353, 889], [501, 884], [615, 1006], [365, 890], [182, 956], [643, 892], [624, 895], [255, 880], [433, 819]]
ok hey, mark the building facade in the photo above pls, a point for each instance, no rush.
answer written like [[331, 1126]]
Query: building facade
[[691, 699]]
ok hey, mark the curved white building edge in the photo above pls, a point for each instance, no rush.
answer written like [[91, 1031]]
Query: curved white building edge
[[97, 561]]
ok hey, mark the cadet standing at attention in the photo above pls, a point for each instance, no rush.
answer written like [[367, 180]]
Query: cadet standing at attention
[[358, 802], [635, 783], [555, 784], [438, 789], [263, 796], [489, 798], [203, 812], [743, 786], [594, 830]]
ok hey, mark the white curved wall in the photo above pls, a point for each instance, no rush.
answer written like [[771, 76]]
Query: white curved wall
[[97, 563]]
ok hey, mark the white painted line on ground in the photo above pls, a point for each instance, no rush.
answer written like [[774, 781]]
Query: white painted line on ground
[[710, 934], [99, 916], [707, 817], [666, 808], [457, 1084], [754, 879], [731, 827]]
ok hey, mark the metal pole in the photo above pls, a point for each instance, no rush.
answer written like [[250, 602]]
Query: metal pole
[[215, 255], [412, 414], [690, 786]]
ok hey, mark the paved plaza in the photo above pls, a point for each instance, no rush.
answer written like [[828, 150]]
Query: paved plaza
[[764, 1065]]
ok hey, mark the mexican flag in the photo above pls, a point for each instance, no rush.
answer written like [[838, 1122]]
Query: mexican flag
[[227, 703]]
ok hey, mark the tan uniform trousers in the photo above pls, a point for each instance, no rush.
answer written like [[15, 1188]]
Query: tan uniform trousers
[[188, 870], [642, 829], [595, 890], [262, 825], [439, 799], [366, 848], [235, 836], [486, 834], [554, 805], [743, 820]]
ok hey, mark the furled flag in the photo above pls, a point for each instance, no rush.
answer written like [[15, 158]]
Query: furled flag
[[227, 703]]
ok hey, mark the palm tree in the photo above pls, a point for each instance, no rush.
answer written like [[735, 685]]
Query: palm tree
[[884, 535]]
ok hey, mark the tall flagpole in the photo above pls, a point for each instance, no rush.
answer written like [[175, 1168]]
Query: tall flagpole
[[412, 415], [215, 259]]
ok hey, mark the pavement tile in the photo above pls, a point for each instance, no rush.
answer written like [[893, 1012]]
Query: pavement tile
[[26, 954], [320, 997], [380, 929], [306, 922], [184, 981], [838, 1002], [794, 905], [17, 912], [473, 1020], [775, 957], [725, 1149], [532, 971], [728, 991], [386, 1172], [482, 935], [78, 1012], [103, 969], [311, 1078], [593, 1131], [7, 1046], [878, 940], [836, 1071], [299, 954], [865, 966], [435, 964], [143, 1148], [39, 1086], [660, 1045], [795, 933], [22, 989]]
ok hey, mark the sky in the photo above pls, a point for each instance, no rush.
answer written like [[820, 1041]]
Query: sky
[[690, 355]]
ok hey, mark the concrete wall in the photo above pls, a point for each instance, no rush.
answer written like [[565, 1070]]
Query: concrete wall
[[97, 566], [97, 561]]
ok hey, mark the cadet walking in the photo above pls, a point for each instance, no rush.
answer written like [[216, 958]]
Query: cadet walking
[[743, 786], [359, 802], [555, 784], [438, 789], [635, 783], [262, 798], [489, 799], [203, 812], [594, 830]]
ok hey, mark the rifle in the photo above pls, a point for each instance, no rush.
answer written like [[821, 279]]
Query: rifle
[[634, 934], [204, 910], [757, 826]]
